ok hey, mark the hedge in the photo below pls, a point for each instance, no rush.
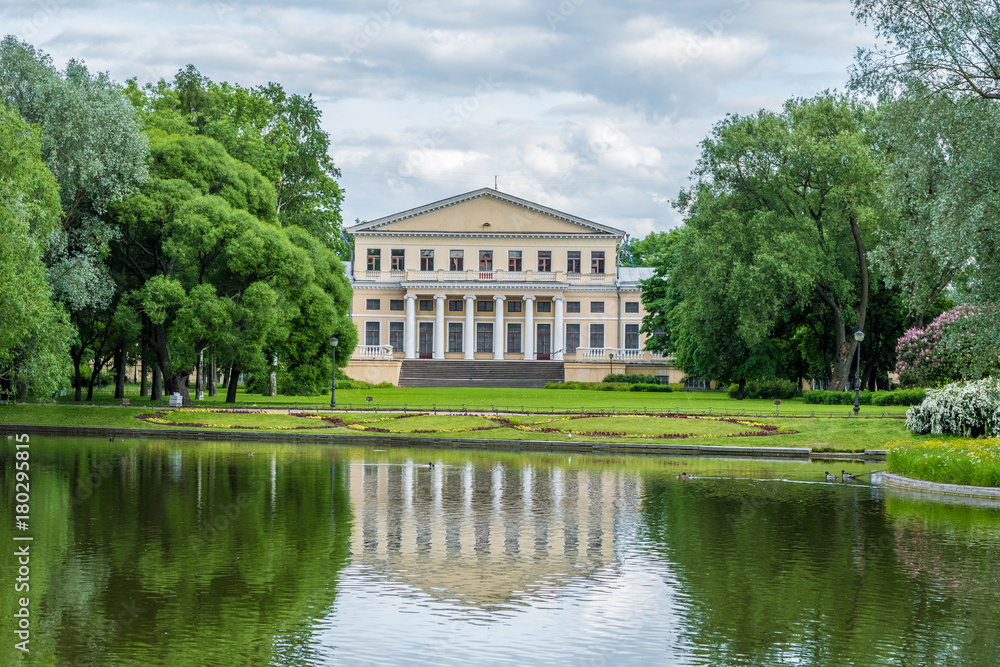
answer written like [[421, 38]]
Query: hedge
[[772, 388], [632, 379]]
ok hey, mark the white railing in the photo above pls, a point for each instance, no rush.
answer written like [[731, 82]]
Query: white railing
[[373, 352], [621, 354], [425, 275], [485, 276], [373, 275]]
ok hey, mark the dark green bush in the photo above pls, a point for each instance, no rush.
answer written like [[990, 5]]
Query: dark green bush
[[632, 379], [824, 397], [899, 397], [771, 388], [650, 387]]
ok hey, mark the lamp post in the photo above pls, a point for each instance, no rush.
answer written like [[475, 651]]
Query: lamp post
[[858, 336], [611, 362], [333, 389]]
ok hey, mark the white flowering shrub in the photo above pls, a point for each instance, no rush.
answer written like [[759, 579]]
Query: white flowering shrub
[[962, 408]]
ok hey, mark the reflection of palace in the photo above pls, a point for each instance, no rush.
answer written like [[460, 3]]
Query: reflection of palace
[[484, 533]]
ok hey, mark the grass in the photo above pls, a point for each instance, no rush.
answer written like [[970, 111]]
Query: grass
[[823, 434], [479, 399], [953, 461]]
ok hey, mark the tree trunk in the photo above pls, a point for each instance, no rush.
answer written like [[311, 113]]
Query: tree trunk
[[739, 392], [234, 380], [199, 381], [120, 370], [157, 393], [214, 375], [143, 387], [225, 379], [274, 376], [93, 379], [78, 383]]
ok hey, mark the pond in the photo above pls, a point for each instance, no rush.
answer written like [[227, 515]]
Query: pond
[[168, 553]]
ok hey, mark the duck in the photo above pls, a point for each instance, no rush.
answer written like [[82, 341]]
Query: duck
[[111, 439], [249, 454], [430, 465], [830, 477], [683, 475], [846, 475]]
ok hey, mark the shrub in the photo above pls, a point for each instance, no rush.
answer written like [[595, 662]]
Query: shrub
[[899, 397], [632, 379], [650, 387], [770, 388], [972, 462], [824, 397], [940, 352], [676, 386], [961, 408]]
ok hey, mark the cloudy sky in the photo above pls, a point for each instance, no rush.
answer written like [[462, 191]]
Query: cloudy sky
[[593, 107]]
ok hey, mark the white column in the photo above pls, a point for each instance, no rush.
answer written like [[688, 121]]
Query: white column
[[410, 333], [470, 326], [529, 328], [557, 335], [498, 335], [439, 326]]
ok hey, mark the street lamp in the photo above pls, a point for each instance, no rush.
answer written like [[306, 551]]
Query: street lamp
[[859, 336], [611, 362], [333, 389]]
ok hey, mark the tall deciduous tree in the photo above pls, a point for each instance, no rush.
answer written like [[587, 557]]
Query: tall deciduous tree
[[784, 204]]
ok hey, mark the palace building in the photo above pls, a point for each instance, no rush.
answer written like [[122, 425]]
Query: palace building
[[489, 289]]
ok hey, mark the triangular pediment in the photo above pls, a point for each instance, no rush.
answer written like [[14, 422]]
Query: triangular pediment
[[484, 211]]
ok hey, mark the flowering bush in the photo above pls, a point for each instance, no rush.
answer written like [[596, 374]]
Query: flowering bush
[[961, 408], [940, 352]]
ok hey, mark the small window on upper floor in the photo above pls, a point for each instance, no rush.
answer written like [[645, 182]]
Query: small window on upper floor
[[426, 260], [397, 260], [395, 304], [573, 261], [456, 260], [514, 260], [374, 259], [572, 306], [425, 305], [597, 261], [545, 261], [631, 306], [373, 304], [543, 306], [597, 306]]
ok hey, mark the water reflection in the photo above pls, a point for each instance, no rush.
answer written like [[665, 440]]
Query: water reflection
[[176, 553]]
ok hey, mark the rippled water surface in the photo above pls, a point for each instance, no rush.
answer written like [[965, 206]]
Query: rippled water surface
[[164, 553]]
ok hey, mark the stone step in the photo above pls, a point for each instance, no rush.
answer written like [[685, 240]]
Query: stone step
[[462, 373]]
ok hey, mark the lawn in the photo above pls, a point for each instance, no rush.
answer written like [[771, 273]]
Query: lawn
[[487, 399], [829, 433]]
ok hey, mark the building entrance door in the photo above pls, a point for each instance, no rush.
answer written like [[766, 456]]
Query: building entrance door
[[543, 342], [425, 340]]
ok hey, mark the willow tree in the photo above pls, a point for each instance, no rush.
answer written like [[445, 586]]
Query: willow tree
[[780, 218]]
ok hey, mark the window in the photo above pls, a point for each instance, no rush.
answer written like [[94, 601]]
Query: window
[[545, 260], [397, 261], [485, 260], [484, 337], [484, 306], [373, 304], [597, 306], [572, 306], [395, 304], [573, 261], [426, 260], [396, 336], [514, 260], [374, 259], [543, 307], [426, 305], [456, 306], [631, 306], [572, 338], [455, 337], [631, 336], [597, 261], [514, 337], [456, 260], [514, 306], [372, 334], [596, 335]]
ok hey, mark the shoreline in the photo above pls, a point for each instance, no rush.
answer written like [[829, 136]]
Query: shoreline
[[898, 481], [381, 440]]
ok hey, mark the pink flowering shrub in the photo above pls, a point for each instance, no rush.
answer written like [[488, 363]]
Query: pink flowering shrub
[[940, 352]]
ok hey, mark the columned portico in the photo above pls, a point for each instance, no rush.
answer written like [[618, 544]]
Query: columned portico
[[529, 328], [410, 333], [498, 337], [557, 335], [470, 326], [439, 326]]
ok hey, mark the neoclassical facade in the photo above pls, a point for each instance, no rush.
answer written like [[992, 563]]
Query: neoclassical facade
[[489, 276]]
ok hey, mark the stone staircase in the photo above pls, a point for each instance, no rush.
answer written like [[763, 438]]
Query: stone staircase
[[464, 373]]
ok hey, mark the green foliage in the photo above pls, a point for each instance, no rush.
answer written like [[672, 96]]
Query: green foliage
[[767, 388], [961, 408], [957, 461], [824, 397], [633, 379], [661, 388], [34, 335], [899, 397]]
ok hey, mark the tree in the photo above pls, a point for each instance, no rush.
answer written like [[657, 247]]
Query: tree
[[647, 250], [779, 217], [35, 333]]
